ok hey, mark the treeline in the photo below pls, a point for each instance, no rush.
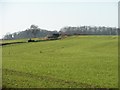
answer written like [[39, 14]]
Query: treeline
[[35, 32], [88, 30], [32, 32]]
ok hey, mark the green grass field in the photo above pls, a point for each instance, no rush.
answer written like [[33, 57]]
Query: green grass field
[[73, 62]]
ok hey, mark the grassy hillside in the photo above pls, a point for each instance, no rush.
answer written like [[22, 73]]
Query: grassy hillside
[[77, 61]]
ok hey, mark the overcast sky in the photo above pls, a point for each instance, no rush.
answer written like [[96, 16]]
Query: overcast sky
[[18, 15]]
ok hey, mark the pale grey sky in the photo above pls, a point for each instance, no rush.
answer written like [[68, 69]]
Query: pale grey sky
[[18, 15]]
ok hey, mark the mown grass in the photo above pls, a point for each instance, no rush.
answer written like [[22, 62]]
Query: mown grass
[[73, 62]]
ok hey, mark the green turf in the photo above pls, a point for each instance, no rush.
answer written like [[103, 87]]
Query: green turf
[[73, 62]]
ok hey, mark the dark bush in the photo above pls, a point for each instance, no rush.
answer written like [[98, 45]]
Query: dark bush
[[31, 40]]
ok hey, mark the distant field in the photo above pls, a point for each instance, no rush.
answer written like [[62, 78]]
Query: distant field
[[18, 40], [73, 62], [11, 41]]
